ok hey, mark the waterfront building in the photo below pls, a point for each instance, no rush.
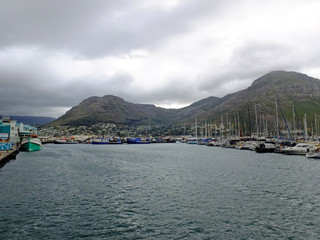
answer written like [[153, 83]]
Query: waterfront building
[[26, 130], [11, 132]]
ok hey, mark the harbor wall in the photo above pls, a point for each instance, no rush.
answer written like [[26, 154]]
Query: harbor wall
[[6, 156]]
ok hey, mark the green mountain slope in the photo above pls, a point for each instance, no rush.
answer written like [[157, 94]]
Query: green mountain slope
[[289, 88]]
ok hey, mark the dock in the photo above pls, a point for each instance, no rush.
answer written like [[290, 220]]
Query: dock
[[6, 156]]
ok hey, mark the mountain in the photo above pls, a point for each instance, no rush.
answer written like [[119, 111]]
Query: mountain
[[113, 109], [32, 120], [289, 88], [188, 114]]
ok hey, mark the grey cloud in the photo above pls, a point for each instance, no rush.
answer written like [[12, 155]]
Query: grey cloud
[[94, 28], [251, 60], [263, 55], [35, 89], [177, 91], [99, 28]]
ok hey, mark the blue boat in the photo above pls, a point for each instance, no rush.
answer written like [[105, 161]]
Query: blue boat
[[138, 141]]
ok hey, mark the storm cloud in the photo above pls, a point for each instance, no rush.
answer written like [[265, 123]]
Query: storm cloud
[[55, 54]]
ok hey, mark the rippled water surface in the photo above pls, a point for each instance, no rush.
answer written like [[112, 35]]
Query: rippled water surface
[[158, 191]]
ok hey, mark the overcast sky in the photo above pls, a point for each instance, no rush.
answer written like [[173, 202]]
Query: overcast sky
[[54, 54]]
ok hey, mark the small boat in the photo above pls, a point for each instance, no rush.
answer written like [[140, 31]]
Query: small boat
[[66, 141], [265, 147], [313, 152], [299, 149], [210, 143], [242, 145], [217, 143], [106, 141], [282, 145], [228, 144], [31, 144], [138, 141]]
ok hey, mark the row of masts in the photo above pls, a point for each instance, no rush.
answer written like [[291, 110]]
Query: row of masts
[[236, 127]]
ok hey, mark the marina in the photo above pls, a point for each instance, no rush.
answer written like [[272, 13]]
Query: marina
[[168, 187], [16, 136], [160, 120], [158, 191]]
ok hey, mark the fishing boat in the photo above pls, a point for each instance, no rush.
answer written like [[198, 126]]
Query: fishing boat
[[31, 144], [106, 141]]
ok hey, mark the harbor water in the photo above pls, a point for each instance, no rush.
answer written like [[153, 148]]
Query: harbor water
[[158, 191]]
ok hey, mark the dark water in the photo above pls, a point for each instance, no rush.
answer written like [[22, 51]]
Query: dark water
[[158, 191]]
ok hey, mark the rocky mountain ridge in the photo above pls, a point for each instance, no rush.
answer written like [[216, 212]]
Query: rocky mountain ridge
[[289, 88]]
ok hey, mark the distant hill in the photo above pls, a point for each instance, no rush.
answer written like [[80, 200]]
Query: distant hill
[[31, 120], [113, 109], [289, 88]]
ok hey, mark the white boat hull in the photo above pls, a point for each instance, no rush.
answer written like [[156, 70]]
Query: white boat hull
[[299, 149], [313, 153]]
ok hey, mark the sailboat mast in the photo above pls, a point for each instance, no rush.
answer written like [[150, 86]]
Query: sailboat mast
[[294, 123], [206, 128], [239, 125], [255, 109], [235, 126], [227, 124], [277, 119], [221, 127], [315, 125], [249, 120], [305, 126], [285, 121], [266, 121], [196, 129]]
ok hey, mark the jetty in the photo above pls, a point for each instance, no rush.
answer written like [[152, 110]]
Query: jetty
[[6, 156]]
